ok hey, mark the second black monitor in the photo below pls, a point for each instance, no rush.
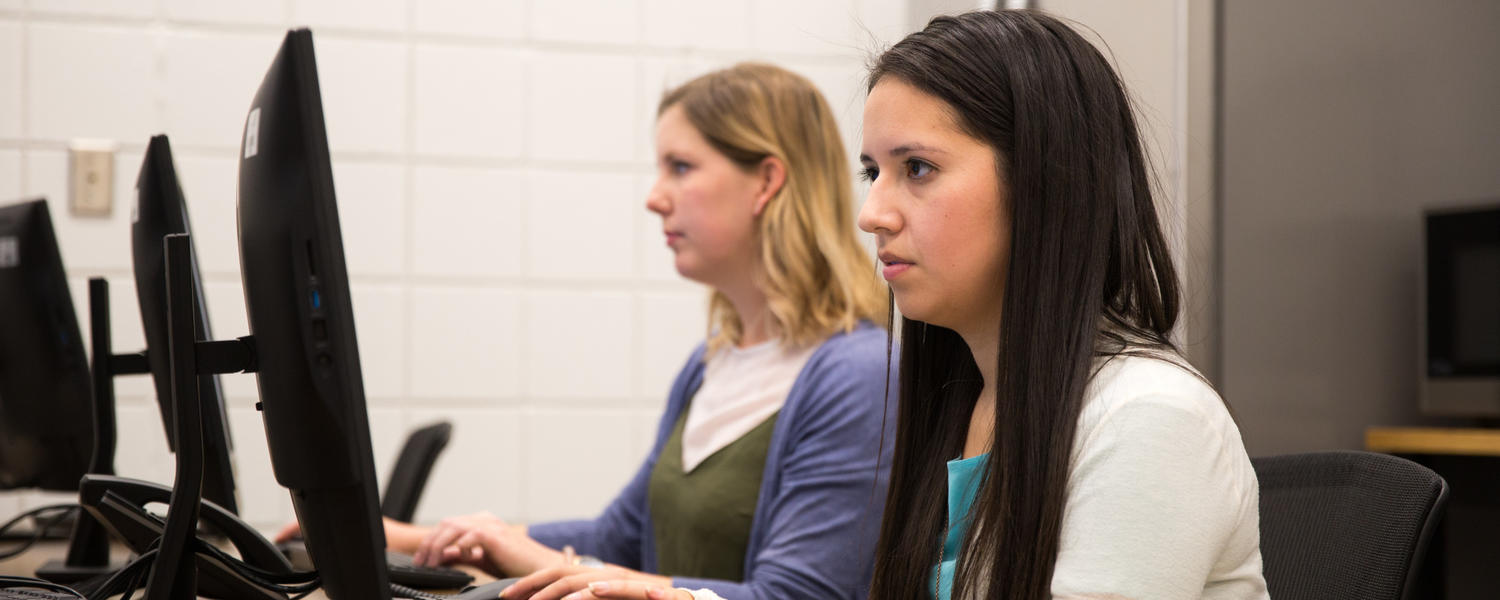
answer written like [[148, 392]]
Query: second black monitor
[[161, 209]]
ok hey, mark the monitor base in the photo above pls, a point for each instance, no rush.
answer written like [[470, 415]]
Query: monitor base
[[58, 571]]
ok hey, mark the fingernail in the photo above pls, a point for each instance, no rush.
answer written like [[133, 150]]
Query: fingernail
[[600, 586], [655, 594]]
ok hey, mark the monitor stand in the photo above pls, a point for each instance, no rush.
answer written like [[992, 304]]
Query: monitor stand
[[88, 544], [174, 573], [118, 503]]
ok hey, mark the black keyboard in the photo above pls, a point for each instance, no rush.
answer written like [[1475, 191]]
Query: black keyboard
[[403, 572], [33, 594]]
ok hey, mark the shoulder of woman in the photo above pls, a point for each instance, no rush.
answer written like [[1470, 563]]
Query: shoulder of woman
[[847, 371], [1137, 381], [863, 348]]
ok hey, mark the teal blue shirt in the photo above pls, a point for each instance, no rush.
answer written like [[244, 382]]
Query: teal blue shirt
[[963, 485]]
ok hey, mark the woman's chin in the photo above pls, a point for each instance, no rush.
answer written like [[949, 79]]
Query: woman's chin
[[688, 270]]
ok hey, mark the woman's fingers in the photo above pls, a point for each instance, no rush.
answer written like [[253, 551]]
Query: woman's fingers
[[532, 585], [565, 586], [430, 552], [291, 530], [626, 590]]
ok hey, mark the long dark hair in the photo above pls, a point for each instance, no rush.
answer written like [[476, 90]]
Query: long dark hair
[[1089, 274]]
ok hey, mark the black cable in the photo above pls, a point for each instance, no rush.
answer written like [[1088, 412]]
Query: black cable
[[402, 591], [296, 582], [123, 579], [10, 583], [41, 528], [129, 576]]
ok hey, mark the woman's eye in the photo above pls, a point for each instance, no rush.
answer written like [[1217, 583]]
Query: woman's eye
[[678, 167], [868, 174], [917, 169]]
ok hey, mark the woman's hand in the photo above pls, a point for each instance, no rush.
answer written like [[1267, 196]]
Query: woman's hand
[[483, 540], [400, 536], [624, 589], [573, 582], [289, 532]]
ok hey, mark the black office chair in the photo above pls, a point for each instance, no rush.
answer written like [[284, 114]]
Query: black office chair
[[409, 476], [1345, 524]]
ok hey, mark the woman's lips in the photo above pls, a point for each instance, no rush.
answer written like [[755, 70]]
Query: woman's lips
[[891, 270], [894, 264]]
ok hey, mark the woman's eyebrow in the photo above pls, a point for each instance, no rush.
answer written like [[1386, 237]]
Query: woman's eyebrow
[[911, 147], [905, 149]]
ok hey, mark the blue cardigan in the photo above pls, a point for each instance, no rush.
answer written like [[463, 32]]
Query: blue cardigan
[[821, 498]]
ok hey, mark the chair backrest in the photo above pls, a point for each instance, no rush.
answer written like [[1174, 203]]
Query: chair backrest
[[1345, 524], [409, 476]]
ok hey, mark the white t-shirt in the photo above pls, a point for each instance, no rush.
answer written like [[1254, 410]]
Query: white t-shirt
[[742, 387], [1162, 501]]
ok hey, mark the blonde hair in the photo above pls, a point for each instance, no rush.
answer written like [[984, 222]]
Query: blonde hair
[[818, 279]]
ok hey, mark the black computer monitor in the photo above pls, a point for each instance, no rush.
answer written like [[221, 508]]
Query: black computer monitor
[[46, 413], [161, 209], [301, 316]]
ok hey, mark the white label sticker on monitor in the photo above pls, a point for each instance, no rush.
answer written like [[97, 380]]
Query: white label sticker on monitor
[[10, 252], [252, 133]]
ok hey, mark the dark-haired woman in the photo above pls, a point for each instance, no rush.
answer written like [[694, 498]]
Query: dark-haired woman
[[1051, 440]]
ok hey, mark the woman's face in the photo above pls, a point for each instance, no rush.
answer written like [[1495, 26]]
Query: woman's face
[[707, 204], [937, 209]]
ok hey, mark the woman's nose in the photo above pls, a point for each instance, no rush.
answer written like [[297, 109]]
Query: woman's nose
[[657, 200], [877, 214]]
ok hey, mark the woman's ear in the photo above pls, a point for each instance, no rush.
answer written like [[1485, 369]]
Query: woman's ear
[[771, 174]]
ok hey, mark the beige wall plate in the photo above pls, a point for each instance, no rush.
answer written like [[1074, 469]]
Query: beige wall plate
[[91, 178]]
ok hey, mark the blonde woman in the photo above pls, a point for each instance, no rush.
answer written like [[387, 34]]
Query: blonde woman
[[763, 481]]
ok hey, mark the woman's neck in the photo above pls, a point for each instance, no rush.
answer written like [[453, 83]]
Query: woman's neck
[[755, 317], [984, 346]]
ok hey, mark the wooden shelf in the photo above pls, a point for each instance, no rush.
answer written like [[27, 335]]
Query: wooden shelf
[[1432, 440]]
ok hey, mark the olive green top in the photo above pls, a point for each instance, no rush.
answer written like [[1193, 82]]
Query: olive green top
[[702, 519]]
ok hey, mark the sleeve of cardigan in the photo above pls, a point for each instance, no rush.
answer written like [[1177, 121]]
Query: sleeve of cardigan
[[824, 521]]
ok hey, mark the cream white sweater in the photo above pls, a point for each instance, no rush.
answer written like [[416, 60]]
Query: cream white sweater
[[1162, 501]]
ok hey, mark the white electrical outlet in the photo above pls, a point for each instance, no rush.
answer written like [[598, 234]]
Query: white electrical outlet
[[91, 177]]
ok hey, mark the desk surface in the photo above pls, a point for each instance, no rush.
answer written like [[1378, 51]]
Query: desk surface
[[27, 563], [1431, 440]]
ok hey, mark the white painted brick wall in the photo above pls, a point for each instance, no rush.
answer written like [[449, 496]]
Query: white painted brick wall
[[10, 80], [210, 184], [90, 81], [232, 12], [582, 107], [614, 22], [10, 174], [497, 19], [210, 80], [720, 25], [376, 191], [491, 162], [364, 88], [579, 225], [95, 8], [364, 15], [469, 101], [465, 343], [487, 242]]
